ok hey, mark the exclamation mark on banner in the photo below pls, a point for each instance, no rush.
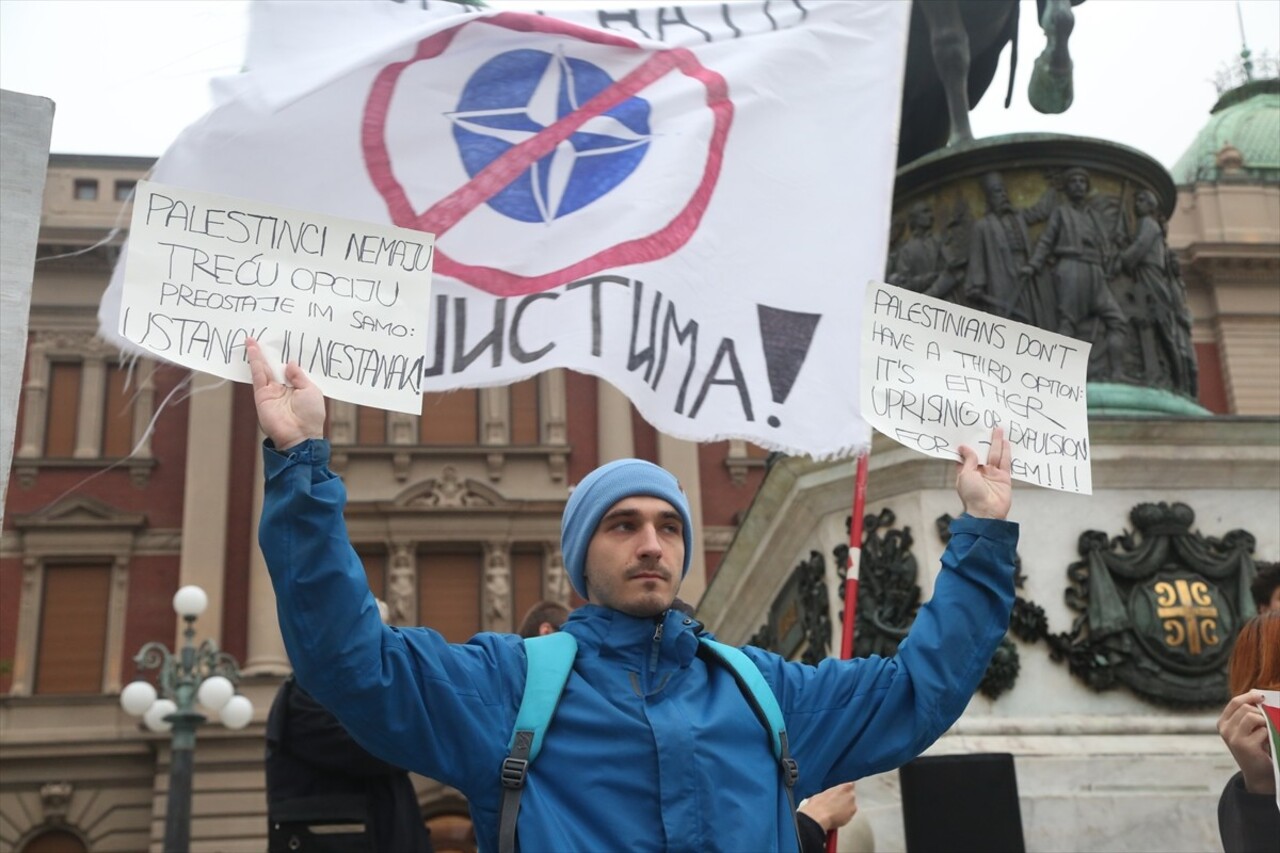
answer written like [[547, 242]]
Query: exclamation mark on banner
[[786, 337]]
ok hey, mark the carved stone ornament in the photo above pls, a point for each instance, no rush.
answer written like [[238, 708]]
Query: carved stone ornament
[[888, 596], [1003, 670], [497, 586], [1063, 233], [1159, 607], [450, 491], [555, 580], [401, 590], [1157, 611], [55, 799], [798, 618]]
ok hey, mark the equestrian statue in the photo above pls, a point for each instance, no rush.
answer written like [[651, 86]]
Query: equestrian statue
[[952, 53]]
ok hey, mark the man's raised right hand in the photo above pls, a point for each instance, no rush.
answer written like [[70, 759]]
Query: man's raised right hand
[[288, 413]]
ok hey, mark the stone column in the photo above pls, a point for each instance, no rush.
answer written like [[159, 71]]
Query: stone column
[[22, 682], [93, 388], [117, 601], [551, 397], [342, 422], [266, 654], [144, 407], [206, 487], [681, 459], [554, 428], [613, 421], [495, 415], [35, 394]]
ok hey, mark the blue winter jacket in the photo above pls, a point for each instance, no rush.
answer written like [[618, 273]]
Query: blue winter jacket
[[650, 748]]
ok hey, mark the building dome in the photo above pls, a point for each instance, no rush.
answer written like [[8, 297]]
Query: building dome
[[1241, 140]]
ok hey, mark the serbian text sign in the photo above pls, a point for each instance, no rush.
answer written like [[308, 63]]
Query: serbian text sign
[[936, 375], [347, 300]]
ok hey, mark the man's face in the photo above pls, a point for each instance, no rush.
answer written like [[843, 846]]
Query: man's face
[[1077, 187], [635, 557], [997, 198]]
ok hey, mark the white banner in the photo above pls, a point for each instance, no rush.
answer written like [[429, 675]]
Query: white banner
[[349, 301], [936, 375], [690, 219]]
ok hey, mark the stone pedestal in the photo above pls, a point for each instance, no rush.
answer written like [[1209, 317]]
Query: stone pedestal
[[1098, 769]]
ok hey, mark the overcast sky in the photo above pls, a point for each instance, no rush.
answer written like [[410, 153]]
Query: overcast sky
[[128, 75]]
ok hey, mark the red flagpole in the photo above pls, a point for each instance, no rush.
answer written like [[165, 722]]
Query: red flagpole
[[851, 577], [855, 556]]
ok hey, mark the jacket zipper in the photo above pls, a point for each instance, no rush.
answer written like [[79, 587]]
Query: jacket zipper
[[657, 646]]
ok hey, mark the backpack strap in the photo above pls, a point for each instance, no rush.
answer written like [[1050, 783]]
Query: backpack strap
[[549, 661], [760, 696]]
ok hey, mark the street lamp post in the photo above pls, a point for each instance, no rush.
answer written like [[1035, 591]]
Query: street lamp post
[[194, 674]]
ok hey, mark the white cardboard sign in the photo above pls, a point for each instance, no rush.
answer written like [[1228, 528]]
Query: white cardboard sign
[[937, 375], [349, 301]]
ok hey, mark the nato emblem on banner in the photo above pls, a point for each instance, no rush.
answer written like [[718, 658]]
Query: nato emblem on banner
[[556, 150], [521, 93]]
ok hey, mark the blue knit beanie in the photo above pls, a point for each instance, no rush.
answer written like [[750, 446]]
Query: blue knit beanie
[[599, 491]]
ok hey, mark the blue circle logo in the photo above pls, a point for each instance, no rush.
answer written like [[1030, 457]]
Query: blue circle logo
[[518, 94]]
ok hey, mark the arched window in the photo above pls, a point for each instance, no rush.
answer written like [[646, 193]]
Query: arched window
[[56, 841]]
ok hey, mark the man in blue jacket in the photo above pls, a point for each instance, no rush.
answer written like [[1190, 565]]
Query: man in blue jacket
[[651, 747]]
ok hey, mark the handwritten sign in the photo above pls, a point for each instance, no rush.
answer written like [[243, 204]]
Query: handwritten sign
[[348, 301], [937, 375], [1270, 709]]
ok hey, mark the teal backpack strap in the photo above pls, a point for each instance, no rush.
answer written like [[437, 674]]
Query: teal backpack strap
[[753, 685], [760, 696], [550, 659]]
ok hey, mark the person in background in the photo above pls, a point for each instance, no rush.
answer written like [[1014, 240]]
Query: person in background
[[1248, 818], [543, 618], [325, 793], [1266, 587], [824, 812]]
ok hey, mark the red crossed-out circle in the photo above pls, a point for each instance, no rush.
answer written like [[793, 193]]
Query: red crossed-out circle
[[493, 178]]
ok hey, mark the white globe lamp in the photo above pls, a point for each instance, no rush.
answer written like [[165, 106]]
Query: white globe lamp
[[190, 601], [155, 716], [215, 691], [237, 713], [137, 697]]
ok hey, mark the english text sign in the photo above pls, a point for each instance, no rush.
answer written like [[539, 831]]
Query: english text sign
[[936, 375]]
